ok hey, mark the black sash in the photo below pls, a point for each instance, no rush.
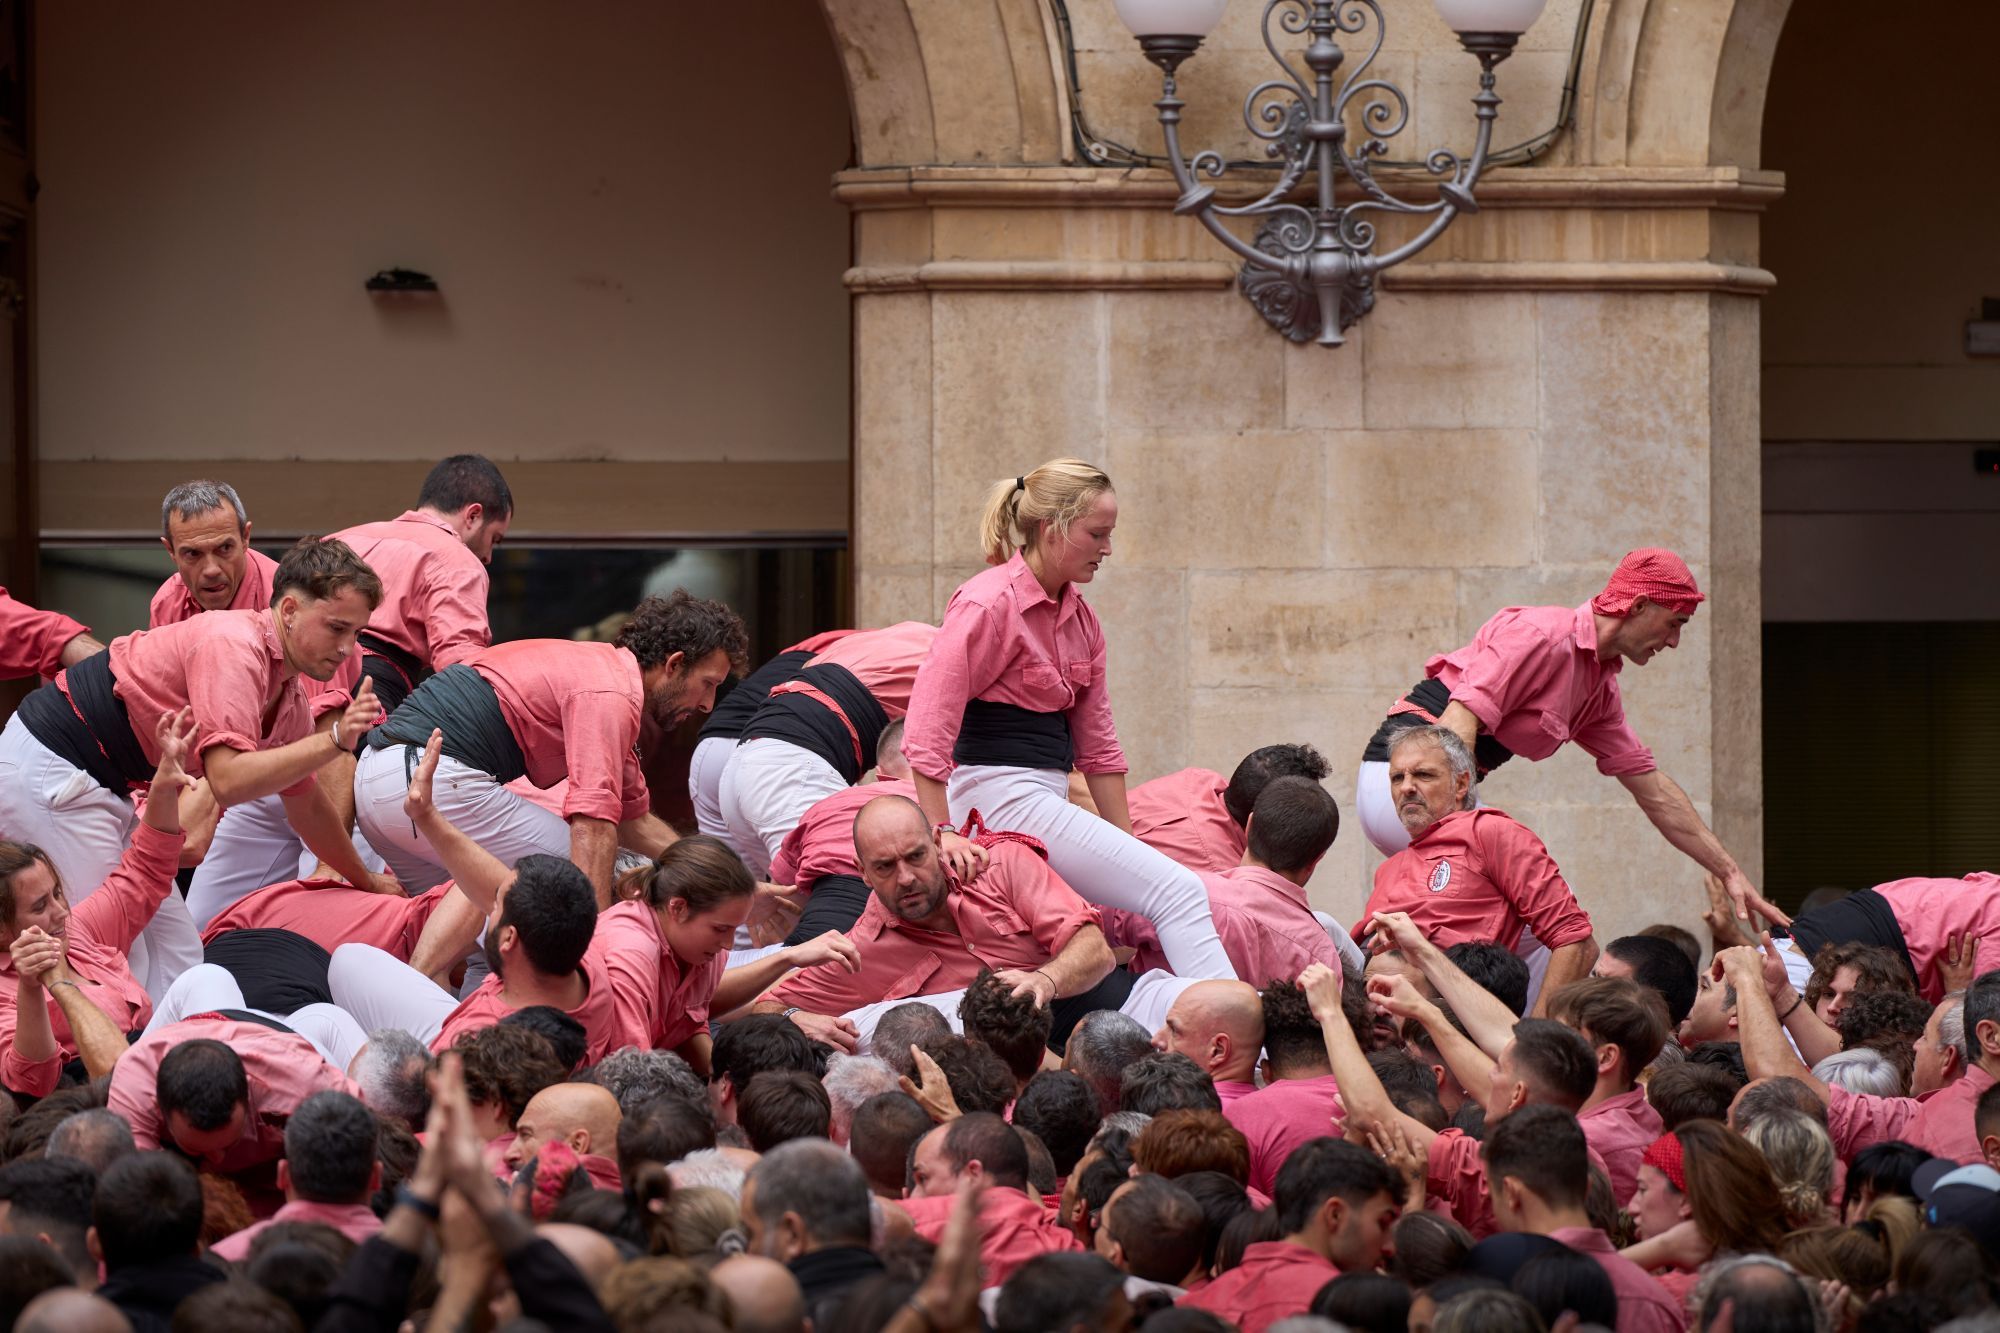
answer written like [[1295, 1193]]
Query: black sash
[[803, 721], [278, 970], [1862, 917], [1431, 696], [835, 902], [96, 734], [459, 702], [1013, 737], [394, 671], [733, 711]]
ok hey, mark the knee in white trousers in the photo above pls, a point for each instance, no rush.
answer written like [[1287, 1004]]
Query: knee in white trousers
[[205, 987], [382, 991], [507, 825], [766, 788]]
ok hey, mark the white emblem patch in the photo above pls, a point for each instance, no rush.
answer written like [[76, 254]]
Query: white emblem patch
[[1441, 876]]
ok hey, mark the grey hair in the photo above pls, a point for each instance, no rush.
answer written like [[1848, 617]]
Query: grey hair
[[96, 1137], [707, 1167], [1951, 1027], [1306, 1323], [192, 499], [1862, 1070], [1103, 1042], [636, 1076], [1453, 745], [851, 1080], [911, 1023], [1718, 1283], [819, 1182], [390, 1070]]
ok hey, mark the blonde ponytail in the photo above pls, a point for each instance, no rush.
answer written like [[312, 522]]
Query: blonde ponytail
[[1056, 493]]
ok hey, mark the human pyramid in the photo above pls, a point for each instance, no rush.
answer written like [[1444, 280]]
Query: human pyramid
[[934, 1025]]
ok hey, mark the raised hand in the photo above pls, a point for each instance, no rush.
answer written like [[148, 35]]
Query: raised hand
[[417, 803], [931, 1089], [838, 1033], [38, 955], [1037, 984], [174, 734], [363, 712], [1393, 930], [1393, 993], [1959, 962], [832, 947], [1322, 987], [774, 913]]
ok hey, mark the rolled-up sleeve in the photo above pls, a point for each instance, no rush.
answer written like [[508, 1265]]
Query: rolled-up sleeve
[[1053, 910], [964, 659], [1609, 738], [599, 729]]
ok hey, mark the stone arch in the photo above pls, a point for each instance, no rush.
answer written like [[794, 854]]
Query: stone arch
[[1678, 85]]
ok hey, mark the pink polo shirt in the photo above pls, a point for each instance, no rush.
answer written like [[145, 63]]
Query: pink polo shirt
[[1532, 678], [1939, 1122], [1182, 816], [1478, 875], [822, 842], [1455, 1176], [1929, 910], [658, 1000], [283, 1069], [1643, 1304], [1268, 931], [1620, 1129], [885, 661], [101, 930], [331, 913], [227, 666], [1017, 914], [356, 1221], [1012, 1229], [31, 640], [574, 711], [433, 588], [488, 1004], [1280, 1117], [173, 603], [1005, 640], [1276, 1280]]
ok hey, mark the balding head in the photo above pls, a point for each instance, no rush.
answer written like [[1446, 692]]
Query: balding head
[[898, 858], [1220, 1026], [591, 1251], [68, 1310], [763, 1294], [583, 1115]]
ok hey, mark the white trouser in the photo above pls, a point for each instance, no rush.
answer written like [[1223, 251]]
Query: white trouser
[[1378, 808], [1102, 862], [1153, 993], [508, 826], [705, 767], [1350, 952], [767, 787], [50, 802], [383, 991], [254, 846], [1798, 967], [205, 987]]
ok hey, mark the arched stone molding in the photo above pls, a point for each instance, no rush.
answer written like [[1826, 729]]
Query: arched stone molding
[[1678, 85]]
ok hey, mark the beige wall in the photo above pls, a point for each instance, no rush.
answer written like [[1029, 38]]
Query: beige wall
[[626, 204]]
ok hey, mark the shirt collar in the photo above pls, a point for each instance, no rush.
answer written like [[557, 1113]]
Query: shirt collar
[[1276, 883], [419, 516], [1029, 592], [1585, 634], [1435, 828]]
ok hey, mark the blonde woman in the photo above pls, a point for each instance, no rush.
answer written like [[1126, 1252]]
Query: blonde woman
[[1012, 696]]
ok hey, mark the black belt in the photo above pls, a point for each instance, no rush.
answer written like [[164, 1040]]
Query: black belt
[[461, 703], [1431, 696], [89, 726], [1110, 993], [395, 671], [1013, 737], [804, 721], [733, 711]]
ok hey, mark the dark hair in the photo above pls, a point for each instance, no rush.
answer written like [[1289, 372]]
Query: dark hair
[[237, 1305], [1618, 1012], [664, 1129], [298, 1274], [1098, 1182], [1765, 1295], [27, 1269], [1686, 1091], [322, 567], [980, 1136], [819, 1182], [1293, 823], [567, 1037], [1161, 1228], [1324, 1168], [28, 1131], [1659, 965], [1015, 1028], [1247, 1228], [148, 1208], [1056, 1291], [1726, 1056], [1179, 1141], [884, 1130], [466, 479], [1555, 1061], [1060, 1109], [1100, 1048], [1220, 1198], [330, 1148], [1678, 936], [1495, 970], [1948, 1265], [48, 1193], [755, 1043], [702, 871], [203, 1081], [1562, 1280], [506, 1066], [1887, 1167], [1365, 1303], [1260, 766], [1542, 1147], [1166, 1081], [979, 1079], [1041, 1166], [1891, 1022], [1292, 1036], [1402, 1074], [1875, 968], [553, 907], [1427, 1247], [780, 1105], [911, 1023], [694, 627], [1779, 1094]]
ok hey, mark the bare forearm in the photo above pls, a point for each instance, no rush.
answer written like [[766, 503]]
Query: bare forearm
[[1766, 1053], [1814, 1039], [1107, 791], [931, 796], [34, 1035], [337, 781], [593, 847], [1471, 1066], [477, 872], [237, 776], [1572, 962], [648, 835], [1462, 720], [312, 818], [740, 985], [99, 1043], [1083, 962], [449, 935], [78, 648], [1488, 1022], [1674, 815]]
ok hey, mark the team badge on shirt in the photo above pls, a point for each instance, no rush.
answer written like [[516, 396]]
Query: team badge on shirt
[[1440, 876]]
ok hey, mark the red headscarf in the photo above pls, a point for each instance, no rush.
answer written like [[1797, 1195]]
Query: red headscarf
[[1665, 1156], [1653, 573]]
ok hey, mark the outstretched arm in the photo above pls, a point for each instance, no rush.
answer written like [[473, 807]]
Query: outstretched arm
[[1487, 1021], [1472, 1067], [1674, 815], [1766, 1053], [1368, 1104], [477, 872]]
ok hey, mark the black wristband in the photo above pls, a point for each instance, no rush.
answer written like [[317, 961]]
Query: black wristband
[[409, 1198], [1798, 999]]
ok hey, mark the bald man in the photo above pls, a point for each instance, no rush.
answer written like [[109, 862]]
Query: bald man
[[763, 1295], [582, 1115], [69, 1310], [1220, 1026]]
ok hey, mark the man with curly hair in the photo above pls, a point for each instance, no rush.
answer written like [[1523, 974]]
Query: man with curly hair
[[1014, 1026]]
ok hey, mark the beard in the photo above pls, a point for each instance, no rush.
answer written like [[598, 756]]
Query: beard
[[491, 947], [934, 894]]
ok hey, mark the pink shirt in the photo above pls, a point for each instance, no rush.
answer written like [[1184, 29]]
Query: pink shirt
[[1013, 1229], [1478, 875], [488, 1004], [1182, 816], [1281, 1116], [433, 587], [31, 640], [331, 913], [574, 711], [283, 1070], [1643, 1304], [101, 930], [822, 842], [1928, 910], [356, 1221], [1620, 1129], [1939, 1122], [1018, 914], [1455, 1176], [1005, 640], [1276, 1280], [1264, 923], [1532, 678], [658, 1000], [885, 661], [173, 603]]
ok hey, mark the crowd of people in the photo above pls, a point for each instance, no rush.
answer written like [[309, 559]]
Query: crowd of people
[[350, 981]]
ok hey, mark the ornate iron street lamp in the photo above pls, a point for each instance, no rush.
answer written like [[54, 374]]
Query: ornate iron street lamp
[[1311, 271]]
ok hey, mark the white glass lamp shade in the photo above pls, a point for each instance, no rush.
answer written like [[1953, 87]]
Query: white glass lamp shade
[[1173, 18], [1515, 16]]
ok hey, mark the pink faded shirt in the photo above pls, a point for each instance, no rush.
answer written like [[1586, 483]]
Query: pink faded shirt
[[101, 930], [1013, 1229], [1276, 1280], [659, 1001], [173, 603], [1005, 640], [1455, 1176], [1939, 1122], [356, 1221], [31, 640], [1644, 1306], [331, 913], [433, 588], [822, 842], [283, 1070], [488, 1004], [1018, 914], [574, 711], [1532, 677], [1182, 816], [1620, 1129], [1282, 1115], [885, 661], [1262, 919], [1929, 910], [1478, 875]]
